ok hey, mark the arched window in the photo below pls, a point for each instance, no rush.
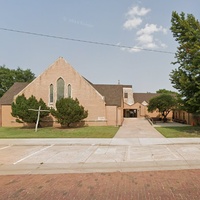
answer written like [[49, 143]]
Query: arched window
[[60, 88], [69, 91], [51, 93]]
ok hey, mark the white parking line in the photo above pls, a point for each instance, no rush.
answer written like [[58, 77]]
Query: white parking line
[[5, 147], [172, 152], [32, 154]]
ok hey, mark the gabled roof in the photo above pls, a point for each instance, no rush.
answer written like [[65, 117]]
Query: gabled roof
[[140, 97], [8, 97], [113, 93]]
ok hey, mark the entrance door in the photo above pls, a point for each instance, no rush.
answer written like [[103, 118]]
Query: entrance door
[[130, 113]]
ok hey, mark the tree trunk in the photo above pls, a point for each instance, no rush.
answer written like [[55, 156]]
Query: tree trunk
[[165, 119]]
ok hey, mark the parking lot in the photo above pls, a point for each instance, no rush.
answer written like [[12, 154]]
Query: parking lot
[[35, 156]]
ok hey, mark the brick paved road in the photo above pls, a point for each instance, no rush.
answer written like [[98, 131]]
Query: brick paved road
[[154, 185]]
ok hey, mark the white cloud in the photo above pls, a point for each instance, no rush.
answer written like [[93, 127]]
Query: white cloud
[[136, 11], [132, 23], [134, 17], [131, 50], [145, 37], [150, 45], [163, 45], [134, 49], [151, 28]]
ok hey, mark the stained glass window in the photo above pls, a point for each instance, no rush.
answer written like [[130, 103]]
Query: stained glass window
[[51, 93], [69, 91], [60, 88]]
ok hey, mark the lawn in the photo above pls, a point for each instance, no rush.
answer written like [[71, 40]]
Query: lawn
[[83, 132], [176, 132]]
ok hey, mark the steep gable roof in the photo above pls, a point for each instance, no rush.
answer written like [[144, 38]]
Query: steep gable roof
[[140, 97], [61, 69], [113, 93], [7, 98]]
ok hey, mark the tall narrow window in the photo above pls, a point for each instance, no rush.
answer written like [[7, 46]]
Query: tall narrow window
[[51, 94], [60, 88], [125, 95], [69, 91]]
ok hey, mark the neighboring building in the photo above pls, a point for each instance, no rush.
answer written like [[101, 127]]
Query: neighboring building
[[106, 104], [6, 100], [184, 117]]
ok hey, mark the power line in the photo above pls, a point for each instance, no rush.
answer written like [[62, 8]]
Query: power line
[[83, 41]]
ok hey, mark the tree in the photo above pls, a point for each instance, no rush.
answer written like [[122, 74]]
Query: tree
[[164, 91], [69, 111], [164, 103], [186, 78], [20, 109], [9, 76]]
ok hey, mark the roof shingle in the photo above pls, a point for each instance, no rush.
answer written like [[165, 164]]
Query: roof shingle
[[113, 93], [7, 98], [140, 97]]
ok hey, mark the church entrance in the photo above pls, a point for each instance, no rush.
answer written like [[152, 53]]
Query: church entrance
[[130, 113]]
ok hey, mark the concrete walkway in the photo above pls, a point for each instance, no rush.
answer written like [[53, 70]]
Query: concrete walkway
[[137, 128]]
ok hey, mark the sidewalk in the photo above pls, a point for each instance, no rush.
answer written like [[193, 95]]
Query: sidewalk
[[137, 128]]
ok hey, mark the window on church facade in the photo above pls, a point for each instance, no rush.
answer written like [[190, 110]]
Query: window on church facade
[[69, 91], [51, 94], [125, 95], [60, 88]]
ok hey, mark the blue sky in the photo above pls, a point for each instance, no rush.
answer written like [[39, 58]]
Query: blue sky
[[139, 24]]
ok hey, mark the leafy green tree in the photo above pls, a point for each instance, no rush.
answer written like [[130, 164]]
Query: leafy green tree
[[164, 103], [9, 76], [20, 109], [186, 78], [69, 111], [164, 91]]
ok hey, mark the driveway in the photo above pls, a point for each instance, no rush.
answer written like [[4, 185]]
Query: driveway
[[137, 128]]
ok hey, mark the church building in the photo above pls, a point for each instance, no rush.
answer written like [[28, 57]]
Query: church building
[[107, 105]]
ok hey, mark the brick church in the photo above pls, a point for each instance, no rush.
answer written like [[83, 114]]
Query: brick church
[[107, 105]]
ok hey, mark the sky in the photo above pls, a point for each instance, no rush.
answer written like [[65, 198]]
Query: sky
[[141, 25]]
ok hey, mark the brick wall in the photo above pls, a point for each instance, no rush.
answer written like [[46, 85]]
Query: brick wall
[[8, 120], [80, 89]]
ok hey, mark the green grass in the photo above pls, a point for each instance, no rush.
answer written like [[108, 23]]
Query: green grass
[[176, 132], [83, 132]]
